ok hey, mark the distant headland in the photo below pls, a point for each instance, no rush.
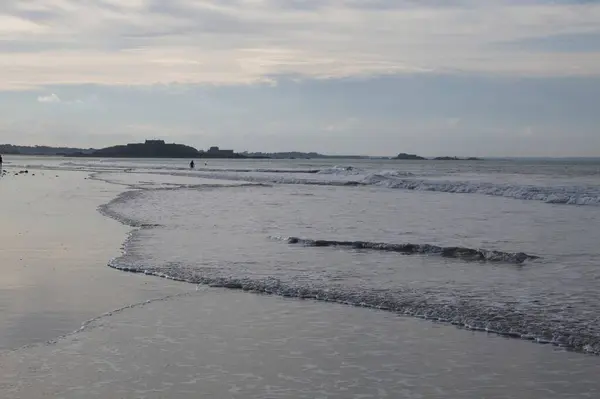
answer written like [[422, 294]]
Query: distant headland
[[410, 157], [157, 149], [413, 157], [161, 149]]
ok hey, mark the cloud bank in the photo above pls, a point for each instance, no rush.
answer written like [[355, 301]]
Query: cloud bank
[[147, 42]]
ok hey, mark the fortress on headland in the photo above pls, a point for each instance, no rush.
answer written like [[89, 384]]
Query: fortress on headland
[[217, 152], [154, 142], [159, 149]]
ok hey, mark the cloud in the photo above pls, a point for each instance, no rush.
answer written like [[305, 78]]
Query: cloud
[[453, 122], [342, 126], [565, 43], [136, 42], [55, 99], [52, 98], [528, 131]]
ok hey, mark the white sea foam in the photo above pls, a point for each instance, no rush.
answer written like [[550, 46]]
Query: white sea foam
[[568, 195], [574, 195], [341, 171]]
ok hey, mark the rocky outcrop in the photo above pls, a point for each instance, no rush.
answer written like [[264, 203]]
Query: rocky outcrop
[[409, 157]]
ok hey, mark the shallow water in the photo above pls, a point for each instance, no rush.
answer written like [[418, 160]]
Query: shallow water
[[227, 223], [228, 236]]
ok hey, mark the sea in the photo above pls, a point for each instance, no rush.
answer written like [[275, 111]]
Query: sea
[[500, 247]]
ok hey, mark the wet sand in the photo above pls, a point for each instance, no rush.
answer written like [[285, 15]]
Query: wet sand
[[54, 248], [225, 344]]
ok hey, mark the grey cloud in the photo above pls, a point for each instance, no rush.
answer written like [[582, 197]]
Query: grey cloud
[[26, 11], [191, 20], [236, 41], [587, 42]]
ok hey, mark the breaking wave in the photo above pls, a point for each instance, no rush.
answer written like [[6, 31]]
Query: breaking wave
[[341, 171], [575, 195], [464, 313], [467, 254], [554, 195]]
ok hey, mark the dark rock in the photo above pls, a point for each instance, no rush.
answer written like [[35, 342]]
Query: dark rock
[[410, 157]]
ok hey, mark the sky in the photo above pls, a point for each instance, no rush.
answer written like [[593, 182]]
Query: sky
[[372, 77]]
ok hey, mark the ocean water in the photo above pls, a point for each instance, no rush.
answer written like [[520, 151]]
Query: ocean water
[[423, 279], [508, 247]]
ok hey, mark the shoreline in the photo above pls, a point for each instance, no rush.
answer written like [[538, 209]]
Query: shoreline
[[218, 343], [55, 247]]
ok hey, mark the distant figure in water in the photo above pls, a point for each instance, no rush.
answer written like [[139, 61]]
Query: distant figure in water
[[205, 163], [192, 165], [0, 163]]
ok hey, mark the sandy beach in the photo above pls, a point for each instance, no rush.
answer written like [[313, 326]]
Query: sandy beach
[[53, 253], [221, 344], [71, 327]]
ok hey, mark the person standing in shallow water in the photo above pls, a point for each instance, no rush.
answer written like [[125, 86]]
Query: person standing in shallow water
[[192, 165], [0, 163]]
